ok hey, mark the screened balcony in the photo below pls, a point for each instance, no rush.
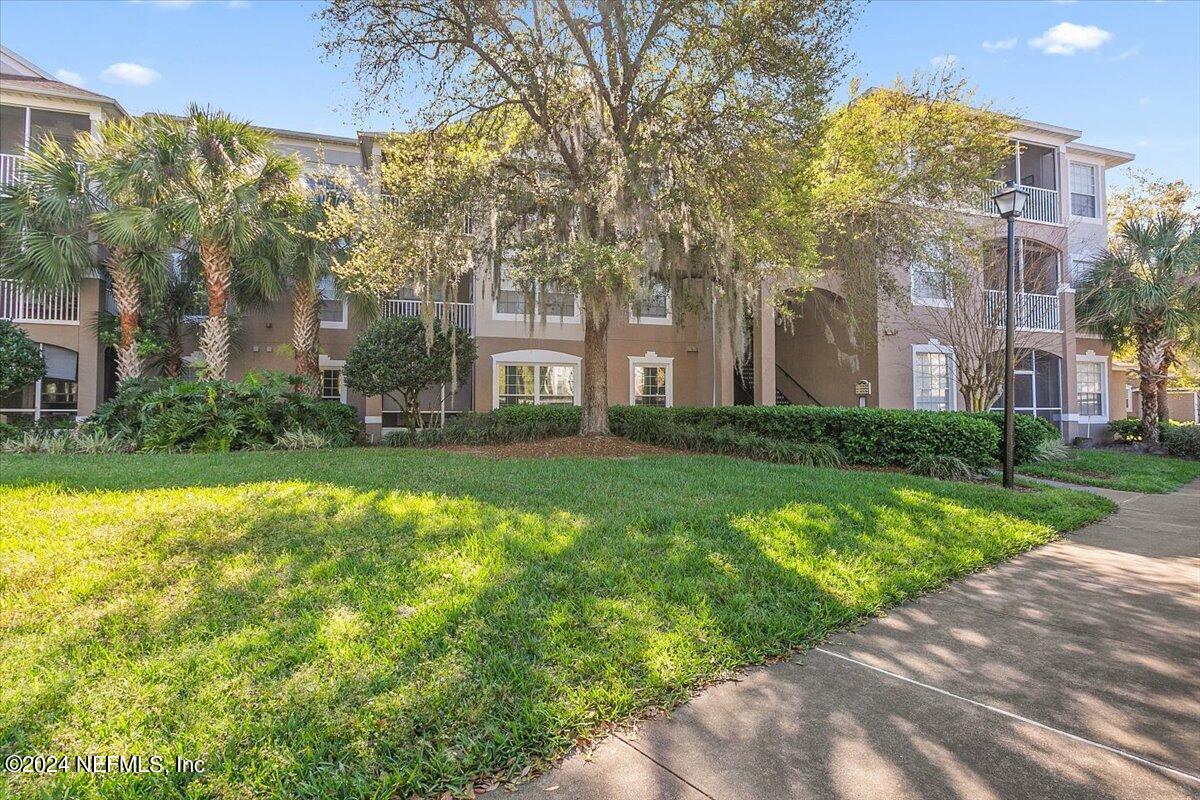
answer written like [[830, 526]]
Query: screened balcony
[[1034, 168]]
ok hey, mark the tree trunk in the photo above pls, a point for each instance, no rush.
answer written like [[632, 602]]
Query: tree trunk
[[1150, 359], [127, 294], [306, 327], [595, 373], [1164, 407], [214, 332]]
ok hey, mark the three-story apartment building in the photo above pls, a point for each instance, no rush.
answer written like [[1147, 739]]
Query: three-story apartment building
[[663, 354]]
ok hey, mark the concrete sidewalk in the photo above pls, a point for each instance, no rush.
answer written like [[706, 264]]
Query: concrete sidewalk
[[1072, 671]]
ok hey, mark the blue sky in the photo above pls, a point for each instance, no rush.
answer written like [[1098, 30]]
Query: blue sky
[[1126, 73]]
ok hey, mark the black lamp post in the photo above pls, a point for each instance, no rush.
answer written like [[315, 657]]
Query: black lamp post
[[1010, 202]]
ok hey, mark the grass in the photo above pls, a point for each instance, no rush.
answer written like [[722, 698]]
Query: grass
[[382, 623], [1112, 469]]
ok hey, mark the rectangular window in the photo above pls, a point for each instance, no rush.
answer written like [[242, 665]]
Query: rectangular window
[[511, 297], [559, 302], [557, 385], [1083, 190], [654, 305], [516, 384], [930, 285], [650, 386], [331, 384], [931, 381], [333, 306], [535, 384], [1089, 383], [61, 125]]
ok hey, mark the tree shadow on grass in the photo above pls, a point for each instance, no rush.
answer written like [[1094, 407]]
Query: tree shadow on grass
[[345, 638]]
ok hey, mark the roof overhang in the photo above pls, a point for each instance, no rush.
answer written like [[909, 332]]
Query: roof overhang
[[1111, 158]]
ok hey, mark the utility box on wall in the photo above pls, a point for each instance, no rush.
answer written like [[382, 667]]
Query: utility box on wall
[[862, 390]]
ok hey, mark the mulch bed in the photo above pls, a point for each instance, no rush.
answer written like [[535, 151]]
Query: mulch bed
[[564, 447]]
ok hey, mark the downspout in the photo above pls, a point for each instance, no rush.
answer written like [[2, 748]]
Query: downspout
[[714, 350]]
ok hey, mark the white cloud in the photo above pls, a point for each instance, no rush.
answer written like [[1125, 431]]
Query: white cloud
[[1000, 44], [132, 74], [944, 61], [67, 76], [1067, 38]]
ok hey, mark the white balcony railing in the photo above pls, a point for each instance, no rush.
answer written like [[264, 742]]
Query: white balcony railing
[[1035, 312], [1041, 206], [53, 307], [10, 168], [462, 315]]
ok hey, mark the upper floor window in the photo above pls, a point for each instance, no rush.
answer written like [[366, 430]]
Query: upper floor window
[[1083, 190], [931, 285], [654, 307], [513, 300], [334, 307], [1039, 266]]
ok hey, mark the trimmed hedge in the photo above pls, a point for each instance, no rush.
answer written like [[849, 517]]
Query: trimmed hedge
[[868, 436], [521, 423], [1182, 439], [1028, 434]]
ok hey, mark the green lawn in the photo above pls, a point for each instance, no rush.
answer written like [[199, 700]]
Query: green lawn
[[1111, 469], [381, 622]]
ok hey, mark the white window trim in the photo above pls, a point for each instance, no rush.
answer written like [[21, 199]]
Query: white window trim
[[634, 319], [1104, 415], [935, 347], [533, 358], [1098, 172], [324, 363], [652, 359], [930, 302], [344, 322], [537, 296]]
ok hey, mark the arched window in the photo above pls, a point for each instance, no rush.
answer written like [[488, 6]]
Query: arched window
[[1038, 385], [1039, 266]]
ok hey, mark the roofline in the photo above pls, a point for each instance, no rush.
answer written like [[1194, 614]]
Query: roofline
[[70, 92], [320, 137], [1071, 134], [26, 63], [1112, 158]]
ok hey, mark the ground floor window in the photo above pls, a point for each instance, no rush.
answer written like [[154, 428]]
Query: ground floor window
[[650, 381], [331, 385], [1038, 386], [55, 396], [539, 384], [1089, 386], [933, 379]]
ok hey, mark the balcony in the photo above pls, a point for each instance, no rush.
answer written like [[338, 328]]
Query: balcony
[[1041, 206], [52, 307], [461, 315], [1035, 312], [10, 168]]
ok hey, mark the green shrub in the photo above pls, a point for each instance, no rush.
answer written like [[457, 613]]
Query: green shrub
[[1126, 430], [520, 423], [9, 431], [943, 467], [658, 429], [21, 361], [869, 436], [300, 439], [1028, 433], [1050, 450], [176, 415], [1182, 440]]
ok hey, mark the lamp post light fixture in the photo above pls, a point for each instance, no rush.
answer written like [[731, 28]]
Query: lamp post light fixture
[[1010, 202]]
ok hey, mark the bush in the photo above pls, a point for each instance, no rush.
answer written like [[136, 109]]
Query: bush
[[1126, 430], [81, 441], [869, 436], [177, 415], [300, 439], [1182, 440], [944, 468], [1050, 450], [658, 429], [504, 425], [1028, 433]]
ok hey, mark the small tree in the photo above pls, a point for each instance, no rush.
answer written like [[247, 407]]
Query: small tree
[[395, 358], [21, 362]]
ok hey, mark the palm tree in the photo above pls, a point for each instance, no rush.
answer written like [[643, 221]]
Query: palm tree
[[225, 175], [1145, 290], [98, 192]]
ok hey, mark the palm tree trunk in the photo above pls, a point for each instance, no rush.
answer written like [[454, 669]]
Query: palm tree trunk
[[214, 332], [306, 328], [1164, 407], [127, 294], [595, 372], [1150, 359]]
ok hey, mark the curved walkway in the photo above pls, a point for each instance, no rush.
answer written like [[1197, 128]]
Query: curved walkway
[[1072, 671]]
